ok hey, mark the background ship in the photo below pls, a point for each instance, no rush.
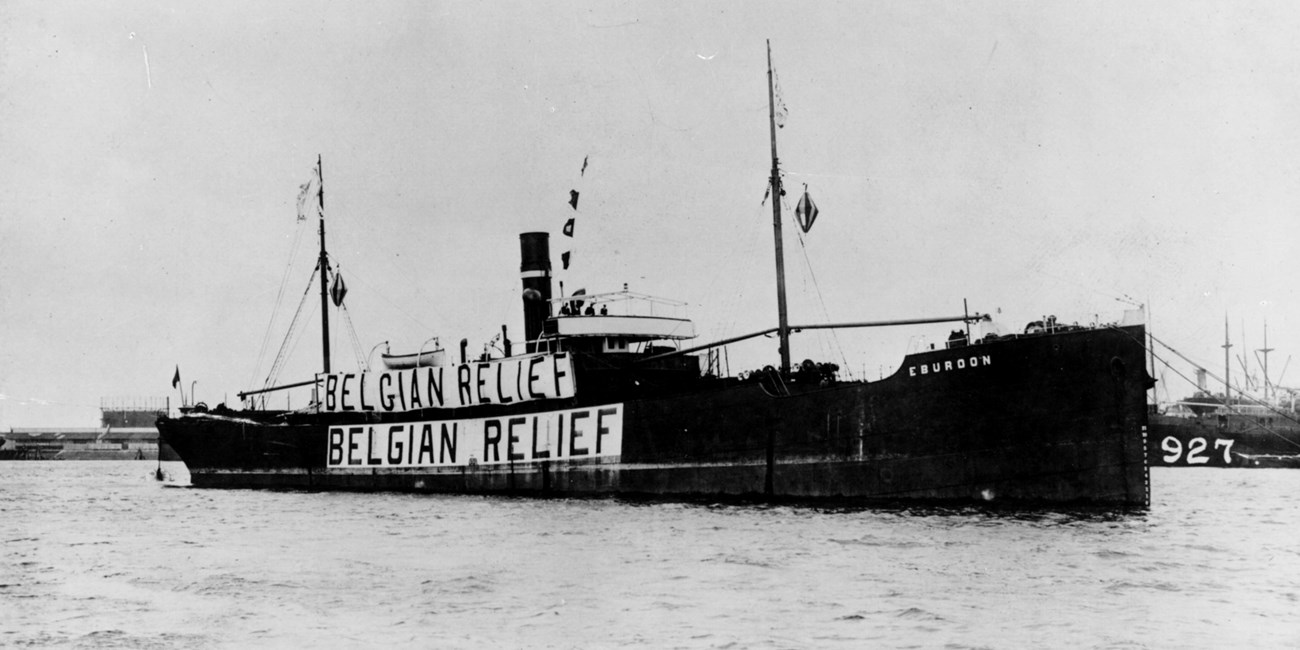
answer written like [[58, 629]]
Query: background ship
[[600, 404], [1233, 428]]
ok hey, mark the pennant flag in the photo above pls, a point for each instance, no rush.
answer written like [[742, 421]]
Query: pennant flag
[[176, 378], [806, 211], [339, 290], [564, 259], [568, 227], [305, 195], [573, 199], [584, 166], [781, 112]]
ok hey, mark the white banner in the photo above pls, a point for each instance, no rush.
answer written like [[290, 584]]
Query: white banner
[[590, 432], [499, 381]]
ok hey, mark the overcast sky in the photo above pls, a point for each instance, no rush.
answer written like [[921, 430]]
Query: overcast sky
[[1062, 158]]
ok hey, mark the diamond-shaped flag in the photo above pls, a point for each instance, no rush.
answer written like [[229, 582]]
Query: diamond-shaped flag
[[806, 212]]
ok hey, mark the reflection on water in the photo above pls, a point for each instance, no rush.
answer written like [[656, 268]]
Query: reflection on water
[[100, 554]]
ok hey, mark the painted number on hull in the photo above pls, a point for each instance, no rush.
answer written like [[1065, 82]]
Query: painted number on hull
[[1196, 450]]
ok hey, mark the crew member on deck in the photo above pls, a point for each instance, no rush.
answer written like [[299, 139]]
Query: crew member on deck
[[604, 310], [591, 311]]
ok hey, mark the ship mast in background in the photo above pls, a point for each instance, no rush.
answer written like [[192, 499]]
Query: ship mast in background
[[1227, 364]]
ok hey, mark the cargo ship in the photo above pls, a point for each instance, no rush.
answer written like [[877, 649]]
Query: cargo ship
[[593, 403]]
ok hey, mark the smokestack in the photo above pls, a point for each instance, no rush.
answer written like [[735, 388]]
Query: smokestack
[[535, 271], [1200, 379]]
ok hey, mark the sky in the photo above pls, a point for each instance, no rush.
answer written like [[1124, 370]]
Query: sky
[[1072, 159]]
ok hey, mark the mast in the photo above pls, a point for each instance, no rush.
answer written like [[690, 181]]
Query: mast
[[1265, 350], [324, 270], [1227, 365], [783, 324]]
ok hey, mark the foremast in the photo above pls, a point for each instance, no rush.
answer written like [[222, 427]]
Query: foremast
[[783, 321], [324, 271]]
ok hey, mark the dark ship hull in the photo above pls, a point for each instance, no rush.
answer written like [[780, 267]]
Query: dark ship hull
[[1054, 418]]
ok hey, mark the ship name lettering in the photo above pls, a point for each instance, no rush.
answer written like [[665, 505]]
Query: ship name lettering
[[557, 373], [492, 437], [435, 385], [385, 391], [574, 433], [448, 444], [538, 454], [595, 431], [950, 365], [602, 429], [331, 385], [361, 394], [492, 381], [462, 377], [533, 377], [395, 445], [512, 439], [505, 399], [426, 444], [343, 392]]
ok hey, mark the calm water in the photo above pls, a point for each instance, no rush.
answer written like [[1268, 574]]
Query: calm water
[[101, 555]]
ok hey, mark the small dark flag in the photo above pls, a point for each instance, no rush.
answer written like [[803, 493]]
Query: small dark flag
[[584, 166], [339, 290], [564, 259], [568, 227], [806, 211], [176, 378], [573, 199]]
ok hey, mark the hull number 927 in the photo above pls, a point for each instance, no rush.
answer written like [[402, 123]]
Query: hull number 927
[[1197, 452]]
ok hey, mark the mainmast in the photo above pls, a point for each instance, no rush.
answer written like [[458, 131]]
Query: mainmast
[[1265, 350], [324, 270], [783, 323], [1227, 365]]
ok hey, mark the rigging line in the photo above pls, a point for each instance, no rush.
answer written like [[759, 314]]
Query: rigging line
[[748, 250], [362, 362], [802, 174], [374, 290], [1261, 427], [291, 341], [405, 273], [280, 356], [1252, 400], [297, 340], [803, 248], [1119, 298], [279, 299], [1215, 377]]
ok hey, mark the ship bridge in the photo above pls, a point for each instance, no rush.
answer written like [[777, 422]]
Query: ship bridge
[[617, 321]]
